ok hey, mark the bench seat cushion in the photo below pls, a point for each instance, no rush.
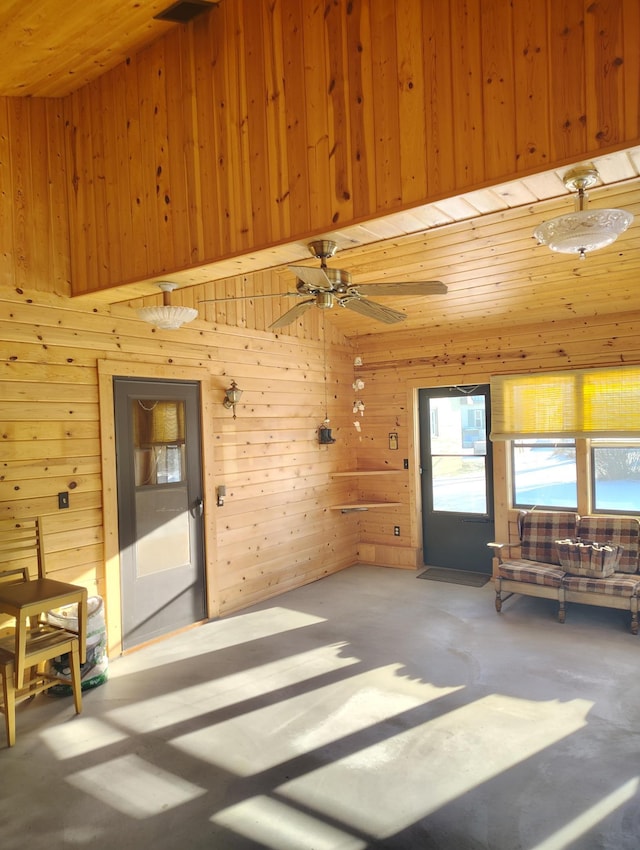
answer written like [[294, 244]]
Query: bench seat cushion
[[619, 584], [532, 572]]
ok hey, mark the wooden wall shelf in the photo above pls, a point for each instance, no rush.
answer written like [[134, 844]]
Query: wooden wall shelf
[[368, 505], [358, 472], [364, 506]]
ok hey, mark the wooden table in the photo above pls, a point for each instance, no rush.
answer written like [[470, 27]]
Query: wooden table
[[31, 598]]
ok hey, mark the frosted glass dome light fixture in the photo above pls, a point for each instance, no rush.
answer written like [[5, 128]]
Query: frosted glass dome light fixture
[[167, 317], [584, 229]]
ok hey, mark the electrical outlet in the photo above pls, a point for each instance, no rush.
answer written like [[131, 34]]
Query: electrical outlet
[[396, 531]]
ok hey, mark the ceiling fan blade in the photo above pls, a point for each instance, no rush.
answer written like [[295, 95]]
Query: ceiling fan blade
[[407, 287], [292, 314], [373, 310], [315, 278]]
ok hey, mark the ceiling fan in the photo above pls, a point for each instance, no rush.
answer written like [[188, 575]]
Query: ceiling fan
[[325, 287]]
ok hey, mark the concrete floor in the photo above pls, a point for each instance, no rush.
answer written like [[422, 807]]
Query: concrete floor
[[368, 710]]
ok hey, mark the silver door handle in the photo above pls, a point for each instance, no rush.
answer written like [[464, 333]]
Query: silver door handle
[[198, 507]]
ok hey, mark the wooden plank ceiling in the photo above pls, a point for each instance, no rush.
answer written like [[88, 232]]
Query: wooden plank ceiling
[[50, 49], [479, 244]]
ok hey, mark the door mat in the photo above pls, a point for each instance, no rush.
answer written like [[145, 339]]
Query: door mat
[[455, 576]]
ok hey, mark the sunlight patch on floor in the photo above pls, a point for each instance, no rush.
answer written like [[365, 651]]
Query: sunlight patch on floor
[[288, 729], [281, 827], [134, 787], [214, 636], [359, 790], [215, 694], [82, 735], [571, 832]]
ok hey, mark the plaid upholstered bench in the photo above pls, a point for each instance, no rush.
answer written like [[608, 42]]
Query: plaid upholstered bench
[[538, 571], [622, 588]]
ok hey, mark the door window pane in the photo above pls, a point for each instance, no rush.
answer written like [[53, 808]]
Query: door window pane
[[544, 474], [459, 485], [458, 448], [159, 441], [162, 530], [458, 425]]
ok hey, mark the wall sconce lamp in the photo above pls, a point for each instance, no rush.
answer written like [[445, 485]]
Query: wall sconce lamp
[[232, 396]]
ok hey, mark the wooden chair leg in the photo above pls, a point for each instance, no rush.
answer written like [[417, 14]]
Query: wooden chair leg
[[9, 705], [76, 681]]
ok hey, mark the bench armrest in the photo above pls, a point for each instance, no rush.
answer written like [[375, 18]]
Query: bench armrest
[[498, 547]]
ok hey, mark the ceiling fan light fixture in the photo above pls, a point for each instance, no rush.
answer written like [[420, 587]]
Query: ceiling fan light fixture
[[325, 288], [582, 230], [167, 317], [324, 300]]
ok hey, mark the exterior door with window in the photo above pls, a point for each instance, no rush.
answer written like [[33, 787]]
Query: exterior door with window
[[160, 506], [457, 486]]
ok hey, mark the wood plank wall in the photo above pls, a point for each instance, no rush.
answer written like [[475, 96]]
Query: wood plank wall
[[34, 224], [276, 529], [395, 365], [262, 123], [266, 122]]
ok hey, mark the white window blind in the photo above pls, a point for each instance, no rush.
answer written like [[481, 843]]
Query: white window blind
[[583, 403]]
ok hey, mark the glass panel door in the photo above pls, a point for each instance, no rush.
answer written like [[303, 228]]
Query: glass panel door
[[160, 507], [457, 490]]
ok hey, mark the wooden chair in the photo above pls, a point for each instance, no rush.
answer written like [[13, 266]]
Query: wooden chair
[[34, 641], [21, 547]]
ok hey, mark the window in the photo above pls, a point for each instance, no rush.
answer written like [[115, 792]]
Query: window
[[615, 479], [544, 474], [158, 434], [547, 415]]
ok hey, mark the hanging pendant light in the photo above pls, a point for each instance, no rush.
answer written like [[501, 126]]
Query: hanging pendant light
[[324, 431], [167, 317], [584, 229]]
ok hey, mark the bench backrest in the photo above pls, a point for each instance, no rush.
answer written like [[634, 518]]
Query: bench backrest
[[541, 529], [622, 531]]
